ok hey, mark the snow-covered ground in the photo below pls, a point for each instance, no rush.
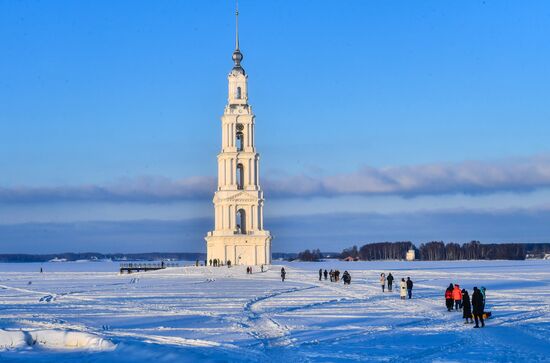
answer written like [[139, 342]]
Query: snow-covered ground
[[87, 312]]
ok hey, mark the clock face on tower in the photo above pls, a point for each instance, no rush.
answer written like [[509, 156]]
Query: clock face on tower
[[240, 127]]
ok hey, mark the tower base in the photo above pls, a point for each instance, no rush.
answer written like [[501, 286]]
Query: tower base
[[240, 249]]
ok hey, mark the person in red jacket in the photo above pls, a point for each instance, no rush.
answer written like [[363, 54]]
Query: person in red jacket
[[457, 297], [449, 297]]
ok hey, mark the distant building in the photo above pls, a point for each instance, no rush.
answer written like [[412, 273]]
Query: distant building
[[411, 255]]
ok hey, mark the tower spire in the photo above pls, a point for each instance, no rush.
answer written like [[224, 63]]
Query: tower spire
[[237, 55]]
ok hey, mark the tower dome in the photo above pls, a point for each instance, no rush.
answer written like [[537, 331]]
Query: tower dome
[[237, 57]]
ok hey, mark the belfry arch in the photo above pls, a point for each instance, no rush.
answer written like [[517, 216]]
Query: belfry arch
[[241, 221], [240, 176], [239, 141]]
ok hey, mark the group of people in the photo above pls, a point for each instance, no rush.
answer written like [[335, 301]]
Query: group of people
[[455, 298], [405, 286], [335, 276], [459, 299], [249, 269], [384, 279]]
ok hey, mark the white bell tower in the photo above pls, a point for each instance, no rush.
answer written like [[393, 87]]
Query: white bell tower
[[238, 235]]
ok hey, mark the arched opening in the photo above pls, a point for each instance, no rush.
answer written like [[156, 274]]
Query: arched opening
[[241, 221], [238, 93], [240, 141], [240, 176]]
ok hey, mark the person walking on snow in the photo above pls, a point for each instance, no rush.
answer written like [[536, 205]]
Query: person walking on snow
[[466, 307], [449, 297], [383, 280], [409, 287], [326, 274], [477, 307], [482, 289], [457, 297], [346, 277], [320, 274], [390, 281], [283, 274], [403, 289]]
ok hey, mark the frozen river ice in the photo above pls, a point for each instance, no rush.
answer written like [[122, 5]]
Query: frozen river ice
[[87, 312]]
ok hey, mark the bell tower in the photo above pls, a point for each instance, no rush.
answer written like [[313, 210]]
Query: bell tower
[[239, 235]]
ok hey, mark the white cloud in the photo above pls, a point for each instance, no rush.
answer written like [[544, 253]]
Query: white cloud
[[470, 177]]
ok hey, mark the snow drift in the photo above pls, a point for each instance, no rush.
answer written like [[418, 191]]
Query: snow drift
[[56, 339]]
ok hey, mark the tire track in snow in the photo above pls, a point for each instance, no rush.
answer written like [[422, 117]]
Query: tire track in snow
[[262, 326]]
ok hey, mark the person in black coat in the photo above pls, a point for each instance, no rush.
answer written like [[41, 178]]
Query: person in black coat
[[409, 287], [320, 274], [477, 305], [347, 278], [466, 307], [326, 274], [390, 281]]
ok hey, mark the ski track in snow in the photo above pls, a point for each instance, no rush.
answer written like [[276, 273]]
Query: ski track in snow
[[221, 314]]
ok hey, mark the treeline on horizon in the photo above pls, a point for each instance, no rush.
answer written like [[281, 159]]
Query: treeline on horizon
[[95, 256], [431, 251], [441, 251], [76, 256], [434, 251]]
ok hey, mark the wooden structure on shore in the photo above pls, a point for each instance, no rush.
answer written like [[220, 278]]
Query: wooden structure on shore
[[144, 267]]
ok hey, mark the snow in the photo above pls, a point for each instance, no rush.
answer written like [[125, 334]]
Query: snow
[[57, 339], [88, 312]]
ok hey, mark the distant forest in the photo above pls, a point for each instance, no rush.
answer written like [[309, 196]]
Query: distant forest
[[307, 255], [430, 251], [441, 251], [94, 256], [70, 256]]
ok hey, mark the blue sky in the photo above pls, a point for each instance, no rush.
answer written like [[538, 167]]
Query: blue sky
[[110, 111]]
